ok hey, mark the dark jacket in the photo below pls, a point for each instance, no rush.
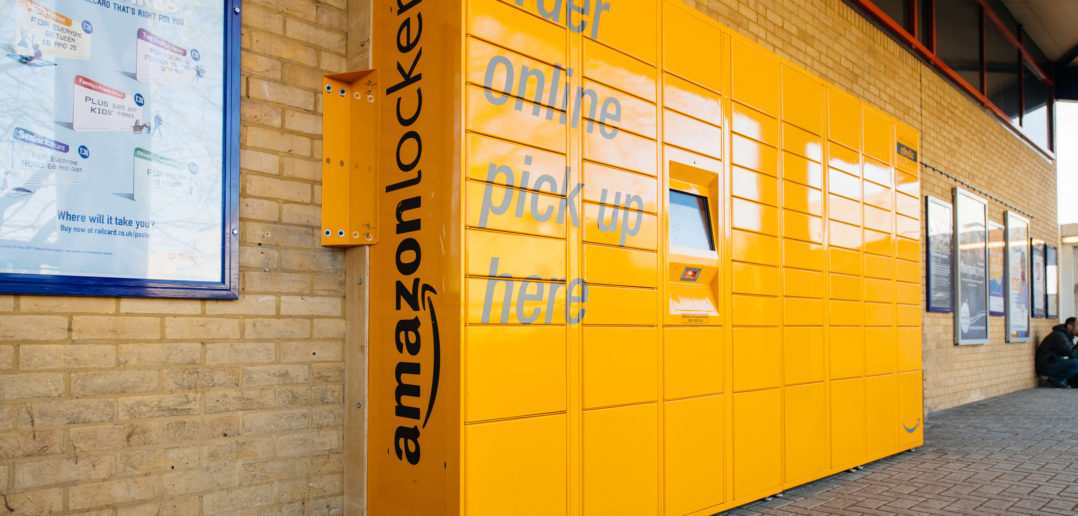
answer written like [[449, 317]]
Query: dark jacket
[[1056, 346]]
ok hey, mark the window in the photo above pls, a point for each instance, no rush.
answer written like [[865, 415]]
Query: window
[[958, 38], [690, 221], [1003, 84], [1035, 119], [898, 10]]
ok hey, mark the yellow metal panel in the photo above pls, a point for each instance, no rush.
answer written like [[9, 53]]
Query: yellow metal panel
[[619, 226], [882, 244], [754, 247], [620, 266], [844, 210], [511, 74], [907, 227], [802, 99], [801, 311], [755, 279], [910, 140], [519, 256], [843, 159], [685, 32], [843, 118], [908, 206], [621, 467], [494, 482], [755, 155], [846, 287], [755, 352], [504, 163], [798, 169], [881, 393], [501, 301], [909, 315], [685, 97], [626, 150], [755, 310], [755, 77], [803, 227], [619, 70], [908, 271], [879, 173], [845, 235], [689, 133], [803, 255], [806, 431], [618, 25], [803, 355], [801, 283], [879, 314], [349, 172], [513, 28], [755, 186], [620, 366], [747, 121], [507, 122], [881, 350], [882, 267], [846, 262], [877, 219], [604, 184], [911, 409], [803, 143], [847, 423], [802, 198], [907, 183], [847, 352], [496, 207], [879, 135], [692, 362], [846, 313], [692, 463], [880, 291], [757, 429], [618, 305], [751, 216], [846, 185], [909, 349], [538, 368], [634, 115], [908, 293], [878, 196]]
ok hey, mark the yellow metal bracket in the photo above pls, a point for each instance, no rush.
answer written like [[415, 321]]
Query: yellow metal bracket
[[349, 173]]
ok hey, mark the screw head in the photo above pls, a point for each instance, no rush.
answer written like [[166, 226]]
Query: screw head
[[236, 10]]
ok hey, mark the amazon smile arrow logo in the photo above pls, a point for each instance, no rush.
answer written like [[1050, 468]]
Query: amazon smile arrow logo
[[912, 430]]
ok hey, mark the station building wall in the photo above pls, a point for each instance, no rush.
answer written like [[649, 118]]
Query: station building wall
[[132, 406]]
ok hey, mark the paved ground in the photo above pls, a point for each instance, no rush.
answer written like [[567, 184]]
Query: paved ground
[[1015, 454]]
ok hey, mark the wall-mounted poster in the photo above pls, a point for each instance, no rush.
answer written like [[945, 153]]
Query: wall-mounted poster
[[1016, 282], [1036, 268], [996, 299], [119, 143], [970, 268], [938, 222], [1051, 278]]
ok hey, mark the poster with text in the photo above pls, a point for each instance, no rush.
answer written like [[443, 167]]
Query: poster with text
[[1016, 282], [971, 269], [938, 266], [113, 139], [1036, 270], [997, 300], [1051, 278]]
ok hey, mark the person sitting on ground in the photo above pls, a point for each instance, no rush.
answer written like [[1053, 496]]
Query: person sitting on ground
[[1056, 355]]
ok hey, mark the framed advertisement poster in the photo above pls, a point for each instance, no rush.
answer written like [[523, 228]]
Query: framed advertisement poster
[[996, 298], [938, 255], [1036, 270], [119, 148], [970, 268], [1051, 278], [1016, 282]]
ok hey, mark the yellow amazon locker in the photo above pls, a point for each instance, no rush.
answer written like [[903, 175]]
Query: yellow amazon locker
[[622, 260]]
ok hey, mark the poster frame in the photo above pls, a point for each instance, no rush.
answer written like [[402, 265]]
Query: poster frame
[[1051, 259], [961, 195], [1012, 220], [1036, 248], [228, 285], [938, 209], [998, 248]]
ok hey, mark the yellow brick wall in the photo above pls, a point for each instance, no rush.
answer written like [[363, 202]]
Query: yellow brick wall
[[154, 406], [831, 40]]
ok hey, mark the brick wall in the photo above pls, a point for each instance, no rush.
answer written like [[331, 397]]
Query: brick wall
[[153, 406], [833, 41]]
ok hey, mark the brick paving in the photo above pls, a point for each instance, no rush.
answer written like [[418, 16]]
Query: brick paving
[[1014, 454]]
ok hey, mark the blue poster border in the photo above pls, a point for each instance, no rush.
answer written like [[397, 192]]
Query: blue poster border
[[930, 203], [228, 286]]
